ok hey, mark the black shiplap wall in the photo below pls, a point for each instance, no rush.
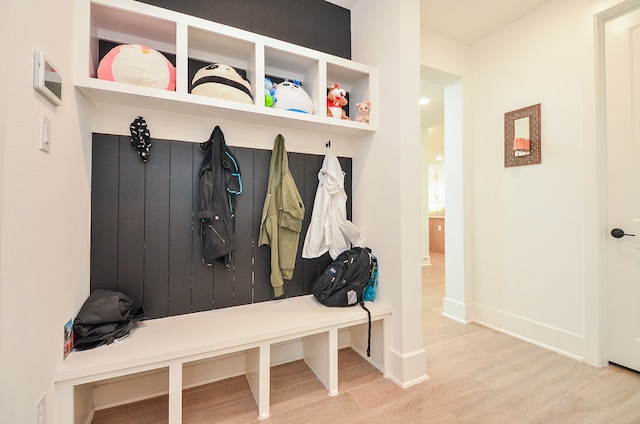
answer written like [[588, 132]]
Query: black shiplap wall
[[145, 240], [315, 24]]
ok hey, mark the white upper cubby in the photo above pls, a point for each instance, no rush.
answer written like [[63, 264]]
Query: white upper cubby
[[193, 39]]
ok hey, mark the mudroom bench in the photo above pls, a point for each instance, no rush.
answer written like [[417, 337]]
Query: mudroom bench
[[172, 344]]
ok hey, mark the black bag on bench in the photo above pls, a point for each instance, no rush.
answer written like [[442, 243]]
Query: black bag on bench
[[104, 317], [344, 281]]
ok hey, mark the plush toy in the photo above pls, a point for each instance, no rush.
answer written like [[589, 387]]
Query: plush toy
[[222, 82], [335, 100], [139, 65], [269, 92], [291, 96], [363, 112]]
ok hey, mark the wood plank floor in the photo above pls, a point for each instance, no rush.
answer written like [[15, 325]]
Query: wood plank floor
[[477, 375]]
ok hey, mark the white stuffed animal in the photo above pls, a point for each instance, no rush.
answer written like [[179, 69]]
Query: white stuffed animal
[[291, 96]]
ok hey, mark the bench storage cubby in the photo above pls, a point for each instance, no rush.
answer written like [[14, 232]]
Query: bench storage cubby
[[176, 343]]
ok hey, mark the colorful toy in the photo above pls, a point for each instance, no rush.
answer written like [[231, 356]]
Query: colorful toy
[[336, 99], [222, 82], [363, 111], [291, 96], [269, 92], [138, 64]]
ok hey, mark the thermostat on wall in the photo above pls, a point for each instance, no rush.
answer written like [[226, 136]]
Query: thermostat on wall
[[46, 78]]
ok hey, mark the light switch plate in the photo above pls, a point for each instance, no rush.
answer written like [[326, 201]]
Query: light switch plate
[[45, 133]]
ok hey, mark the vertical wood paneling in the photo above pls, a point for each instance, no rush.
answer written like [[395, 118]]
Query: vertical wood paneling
[[104, 212], [146, 238], [222, 285], [243, 255], [262, 290], [295, 286], [346, 164], [156, 230], [312, 165], [180, 218], [131, 221], [202, 284]]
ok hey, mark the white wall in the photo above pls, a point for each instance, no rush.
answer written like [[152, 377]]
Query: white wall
[[45, 216], [529, 248], [534, 268], [387, 172]]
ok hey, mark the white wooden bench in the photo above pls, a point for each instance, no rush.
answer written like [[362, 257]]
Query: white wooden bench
[[170, 343]]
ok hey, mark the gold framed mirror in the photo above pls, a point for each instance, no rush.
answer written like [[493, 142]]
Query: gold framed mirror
[[522, 136]]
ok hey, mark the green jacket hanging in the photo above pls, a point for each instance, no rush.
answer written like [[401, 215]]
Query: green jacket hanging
[[282, 216]]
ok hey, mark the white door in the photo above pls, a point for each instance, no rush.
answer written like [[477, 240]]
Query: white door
[[622, 85]]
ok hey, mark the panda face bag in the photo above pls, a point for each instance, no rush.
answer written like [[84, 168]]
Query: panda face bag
[[222, 82]]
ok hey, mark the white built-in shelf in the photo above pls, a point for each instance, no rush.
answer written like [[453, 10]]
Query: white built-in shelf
[[188, 37]]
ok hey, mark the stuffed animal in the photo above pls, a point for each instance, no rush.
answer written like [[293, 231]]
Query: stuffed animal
[[222, 82], [269, 93], [291, 96], [139, 65], [363, 111], [336, 98]]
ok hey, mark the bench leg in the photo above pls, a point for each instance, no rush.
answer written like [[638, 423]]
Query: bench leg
[[386, 342], [258, 371], [321, 354], [175, 393]]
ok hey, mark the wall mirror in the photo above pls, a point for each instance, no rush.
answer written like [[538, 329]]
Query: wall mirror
[[522, 136]]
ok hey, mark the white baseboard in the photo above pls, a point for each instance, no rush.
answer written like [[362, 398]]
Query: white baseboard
[[548, 337], [456, 310], [408, 369]]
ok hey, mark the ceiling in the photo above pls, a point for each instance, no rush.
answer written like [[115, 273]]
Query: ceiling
[[469, 21]]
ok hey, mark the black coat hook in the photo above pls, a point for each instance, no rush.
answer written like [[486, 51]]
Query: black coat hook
[[329, 144]]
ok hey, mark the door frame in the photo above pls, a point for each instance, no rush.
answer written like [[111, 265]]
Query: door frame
[[595, 183]]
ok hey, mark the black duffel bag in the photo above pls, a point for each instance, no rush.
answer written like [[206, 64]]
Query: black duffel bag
[[105, 316]]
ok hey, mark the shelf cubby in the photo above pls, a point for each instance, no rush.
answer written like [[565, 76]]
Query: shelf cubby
[[191, 43]]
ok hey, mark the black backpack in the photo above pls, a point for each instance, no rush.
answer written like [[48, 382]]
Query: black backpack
[[343, 282], [105, 317]]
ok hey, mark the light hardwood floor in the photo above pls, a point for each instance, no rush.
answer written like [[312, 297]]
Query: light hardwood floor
[[477, 375]]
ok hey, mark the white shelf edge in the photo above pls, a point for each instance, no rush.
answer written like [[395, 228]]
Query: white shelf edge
[[109, 92]]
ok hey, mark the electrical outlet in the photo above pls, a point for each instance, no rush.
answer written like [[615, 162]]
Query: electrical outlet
[[41, 410]]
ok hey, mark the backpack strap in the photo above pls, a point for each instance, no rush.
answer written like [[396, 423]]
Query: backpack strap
[[369, 333]]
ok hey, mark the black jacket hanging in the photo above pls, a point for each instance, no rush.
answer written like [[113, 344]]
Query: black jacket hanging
[[219, 184]]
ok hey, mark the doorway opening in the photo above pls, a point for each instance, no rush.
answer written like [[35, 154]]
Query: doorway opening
[[448, 117], [433, 167]]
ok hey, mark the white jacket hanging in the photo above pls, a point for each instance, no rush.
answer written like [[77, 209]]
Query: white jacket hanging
[[329, 230]]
